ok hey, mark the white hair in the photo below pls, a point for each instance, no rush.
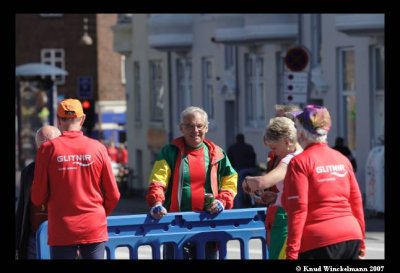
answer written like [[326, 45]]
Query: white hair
[[191, 110], [321, 135]]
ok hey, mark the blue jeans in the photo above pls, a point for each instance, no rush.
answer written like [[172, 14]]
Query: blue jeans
[[93, 251]]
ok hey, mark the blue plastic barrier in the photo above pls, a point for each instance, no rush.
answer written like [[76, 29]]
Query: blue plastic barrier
[[133, 231]]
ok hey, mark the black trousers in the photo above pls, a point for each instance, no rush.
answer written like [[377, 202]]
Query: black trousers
[[347, 250]]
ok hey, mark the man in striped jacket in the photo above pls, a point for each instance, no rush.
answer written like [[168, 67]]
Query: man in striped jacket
[[187, 169]]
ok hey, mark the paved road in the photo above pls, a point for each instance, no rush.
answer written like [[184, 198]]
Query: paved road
[[375, 249]]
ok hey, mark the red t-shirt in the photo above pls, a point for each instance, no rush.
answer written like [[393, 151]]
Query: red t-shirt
[[122, 156], [112, 153], [74, 178], [322, 199]]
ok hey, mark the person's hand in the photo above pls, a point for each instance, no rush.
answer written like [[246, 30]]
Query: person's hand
[[257, 199], [269, 197], [246, 187], [216, 207], [251, 184], [158, 211], [361, 254]]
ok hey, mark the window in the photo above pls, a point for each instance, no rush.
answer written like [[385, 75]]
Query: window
[[378, 76], [254, 92], [55, 57], [184, 83], [156, 91], [137, 90], [208, 87], [347, 93]]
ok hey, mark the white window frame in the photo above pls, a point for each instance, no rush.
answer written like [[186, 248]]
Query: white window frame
[[55, 57]]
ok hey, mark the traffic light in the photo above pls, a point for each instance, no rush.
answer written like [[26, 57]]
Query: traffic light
[[88, 109]]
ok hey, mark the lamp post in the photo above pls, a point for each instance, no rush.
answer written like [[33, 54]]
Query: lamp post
[[86, 39]]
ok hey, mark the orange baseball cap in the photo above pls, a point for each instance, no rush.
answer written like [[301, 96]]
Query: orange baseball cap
[[70, 108]]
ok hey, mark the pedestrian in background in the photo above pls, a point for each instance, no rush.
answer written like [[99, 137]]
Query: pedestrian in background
[[73, 178], [122, 155], [280, 137], [339, 146], [243, 160], [321, 196], [112, 151], [187, 169], [29, 217]]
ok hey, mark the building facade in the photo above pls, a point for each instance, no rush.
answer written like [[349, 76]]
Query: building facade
[[235, 66], [81, 44]]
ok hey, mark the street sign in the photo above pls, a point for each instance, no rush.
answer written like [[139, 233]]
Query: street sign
[[296, 82], [85, 87], [297, 59], [295, 87]]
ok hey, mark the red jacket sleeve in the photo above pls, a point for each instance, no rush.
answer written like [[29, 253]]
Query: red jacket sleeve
[[226, 197], [155, 194]]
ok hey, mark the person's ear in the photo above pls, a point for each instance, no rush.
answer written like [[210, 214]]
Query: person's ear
[[83, 119], [287, 142], [181, 127], [206, 129]]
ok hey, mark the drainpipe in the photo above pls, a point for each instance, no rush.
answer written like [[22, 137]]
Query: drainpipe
[[299, 29]]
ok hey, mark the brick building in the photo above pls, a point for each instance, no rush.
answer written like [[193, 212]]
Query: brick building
[[95, 72]]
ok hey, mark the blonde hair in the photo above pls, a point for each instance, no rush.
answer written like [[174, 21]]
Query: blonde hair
[[280, 128]]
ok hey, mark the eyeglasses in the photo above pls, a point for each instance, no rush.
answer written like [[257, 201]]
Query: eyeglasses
[[199, 127]]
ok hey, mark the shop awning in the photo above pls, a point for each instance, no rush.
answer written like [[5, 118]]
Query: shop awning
[[39, 69]]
